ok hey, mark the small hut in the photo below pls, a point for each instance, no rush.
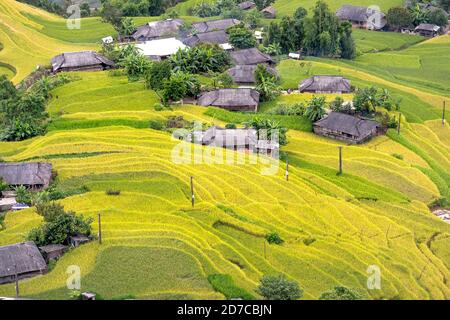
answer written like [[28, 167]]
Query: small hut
[[269, 12], [79, 239], [212, 37], [346, 128], [80, 61], [237, 139], [427, 30], [231, 99], [157, 29], [250, 56], [52, 251], [362, 17], [214, 25], [247, 5], [325, 84], [33, 175], [22, 260], [245, 75]]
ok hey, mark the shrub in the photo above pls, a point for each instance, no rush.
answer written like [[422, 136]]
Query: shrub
[[398, 156], [274, 238], [2, 221], [3, 185], [340, 293], [278, 287], [241, 37], [230, 126], [309, 240], [202, 58], [316, 109], [23, 195], [224, 284], [113, 192], [297, 109], [156, 125], [49, 210]]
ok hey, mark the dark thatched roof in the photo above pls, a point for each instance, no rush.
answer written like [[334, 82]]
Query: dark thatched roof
[[325, 84], [158, 29], [246, 5], [347, 124], [355, 13], [220, 137], [79, 60], [26, 173], [230, 98], [250, 56], [246, 74], [214, 25], [22, 258], [269, 12], [214, 37], [428, 27]]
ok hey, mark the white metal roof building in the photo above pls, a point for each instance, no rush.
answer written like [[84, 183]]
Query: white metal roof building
[[160, 47]]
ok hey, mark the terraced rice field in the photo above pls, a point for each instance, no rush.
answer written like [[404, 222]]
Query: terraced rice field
[[156, 245], [374, 214], [24, 46]]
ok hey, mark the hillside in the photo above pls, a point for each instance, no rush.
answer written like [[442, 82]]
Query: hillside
[[155, 245]]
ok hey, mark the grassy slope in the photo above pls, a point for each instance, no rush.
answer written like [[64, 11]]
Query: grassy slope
[[374, 214]]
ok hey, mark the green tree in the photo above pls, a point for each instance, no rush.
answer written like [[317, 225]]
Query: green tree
[[157, 74], [261, 4], [287, 36], [337, 104], [418, 15], [399, 17], [316, 108], [322, 31], [438, 17], [85, 10], [340, 293], [240, 37], [279, 288], [136, 66], [346, 43], [445, 4], [179, 85], [253, 19], [266, 83]]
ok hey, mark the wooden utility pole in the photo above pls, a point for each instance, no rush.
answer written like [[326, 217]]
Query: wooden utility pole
[[340, 160], [99, 229], [399, 121], [265, 255], [443, 114], [16, 278], [192, 192], [287, 168]]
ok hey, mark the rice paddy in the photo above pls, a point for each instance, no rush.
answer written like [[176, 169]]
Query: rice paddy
[[157, 246]]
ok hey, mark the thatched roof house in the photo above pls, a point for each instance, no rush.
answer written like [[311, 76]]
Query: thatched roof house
[[226, 138], [427, 30], [36, 175], [52, 251], [214, 25], [23, 259], [269, 12], [245, 75], [325, 84], [231, 99], [247, 5], [157, 29], [213, 37], [80, 61], [347, 128], [160, 48], [250, 56], [362, 17]]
